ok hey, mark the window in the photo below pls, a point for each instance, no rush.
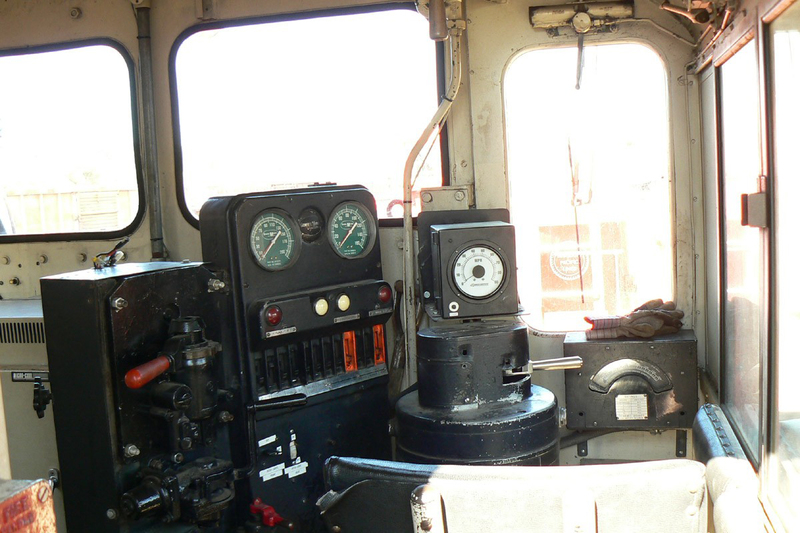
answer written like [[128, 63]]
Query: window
[[743, 280], [785, 40], [590, 182], [67, 162], [289, 103]]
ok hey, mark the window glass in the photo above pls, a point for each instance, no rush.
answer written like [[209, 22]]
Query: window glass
[[286, 104], [743, 274], [785, 36], [590, 182], [66, 142]]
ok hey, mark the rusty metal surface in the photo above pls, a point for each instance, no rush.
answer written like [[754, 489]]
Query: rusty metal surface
[[26, 507]]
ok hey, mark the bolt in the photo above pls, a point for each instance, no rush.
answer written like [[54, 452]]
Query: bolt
[[111, 514], [76, 13], [119, 303], [464, 163], [427, 197], [14, 281], [82, 257], [215, 285], [42, 260], [336, 529], [178, 457], [426, 294], [399, 244], [6, 260], [186, 444], [225, 417], [131, 450], [460, 196]]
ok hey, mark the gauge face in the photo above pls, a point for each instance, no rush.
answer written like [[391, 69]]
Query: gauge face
[[351, 229], [273, 240], [478, 272]]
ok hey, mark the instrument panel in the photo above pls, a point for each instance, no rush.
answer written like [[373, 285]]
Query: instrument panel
[[276, 237]]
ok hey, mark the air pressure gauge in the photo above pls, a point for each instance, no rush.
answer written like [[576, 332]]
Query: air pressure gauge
[[474, 269]]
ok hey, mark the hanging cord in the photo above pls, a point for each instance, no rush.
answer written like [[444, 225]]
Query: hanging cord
[[434, 127], [576, 201]]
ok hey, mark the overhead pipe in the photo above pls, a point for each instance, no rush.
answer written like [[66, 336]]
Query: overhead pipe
[[434, 127], [149, 143]]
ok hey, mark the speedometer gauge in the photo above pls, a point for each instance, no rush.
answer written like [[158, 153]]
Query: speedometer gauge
[[273, 240], [478, 272], [351, 230]]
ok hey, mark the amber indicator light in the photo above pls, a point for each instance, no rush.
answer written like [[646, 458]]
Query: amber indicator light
[[350, 361], [380, 344]]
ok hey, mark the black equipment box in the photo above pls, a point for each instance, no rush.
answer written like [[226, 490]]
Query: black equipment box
[[632, 383]]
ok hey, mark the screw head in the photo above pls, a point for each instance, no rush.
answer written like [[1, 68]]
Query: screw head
[[111, 514], [119, 303]]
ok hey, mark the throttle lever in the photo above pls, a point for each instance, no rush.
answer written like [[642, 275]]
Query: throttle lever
[[560, 363]]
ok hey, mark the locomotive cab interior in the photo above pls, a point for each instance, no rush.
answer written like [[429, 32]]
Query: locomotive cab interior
[[392, 266]]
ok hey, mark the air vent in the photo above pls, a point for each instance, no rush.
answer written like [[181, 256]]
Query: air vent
[[22, 332]]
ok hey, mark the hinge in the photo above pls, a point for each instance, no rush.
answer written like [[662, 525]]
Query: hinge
[[754, 210]]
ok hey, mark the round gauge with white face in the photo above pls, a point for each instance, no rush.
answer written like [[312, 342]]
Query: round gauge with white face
[[352, 230], [478, 272], [274, 240]]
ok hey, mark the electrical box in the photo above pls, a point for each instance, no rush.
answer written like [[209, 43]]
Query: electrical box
[[632, 383]]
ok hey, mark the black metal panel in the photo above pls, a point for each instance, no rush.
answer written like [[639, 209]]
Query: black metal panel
[[632, 383], [90, 346]]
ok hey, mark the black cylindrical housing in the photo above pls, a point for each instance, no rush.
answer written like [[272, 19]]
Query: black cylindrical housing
[[463, 364], [521, 432]]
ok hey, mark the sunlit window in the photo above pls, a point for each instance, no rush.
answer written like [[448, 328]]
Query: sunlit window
[[785, 36], [590, 182], [743, 261], [66, 142], [287, 104]]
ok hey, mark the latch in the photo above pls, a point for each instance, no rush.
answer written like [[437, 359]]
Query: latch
[[755, 210]]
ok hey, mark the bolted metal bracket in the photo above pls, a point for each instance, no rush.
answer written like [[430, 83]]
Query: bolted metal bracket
[[583, 449], [680, 443]]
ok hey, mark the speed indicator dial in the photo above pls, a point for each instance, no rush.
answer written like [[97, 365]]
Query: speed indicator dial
[[273, 240], [478, 272], [351, 230]]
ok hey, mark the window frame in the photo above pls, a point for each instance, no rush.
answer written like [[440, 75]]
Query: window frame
[[288, 17], [137, 143]]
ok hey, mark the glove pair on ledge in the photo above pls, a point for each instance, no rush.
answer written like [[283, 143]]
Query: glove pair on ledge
[[655, 317]]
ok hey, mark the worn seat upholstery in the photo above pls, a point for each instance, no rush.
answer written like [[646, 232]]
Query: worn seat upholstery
[[660, 496]]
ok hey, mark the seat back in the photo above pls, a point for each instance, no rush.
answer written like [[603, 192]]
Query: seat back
[[660, 496]]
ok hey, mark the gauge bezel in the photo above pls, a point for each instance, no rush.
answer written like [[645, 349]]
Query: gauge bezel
[[292, 225], [464, 249], [372, 227]]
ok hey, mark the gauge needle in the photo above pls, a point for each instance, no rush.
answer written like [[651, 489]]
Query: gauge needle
[[271, 244], [352, 229]]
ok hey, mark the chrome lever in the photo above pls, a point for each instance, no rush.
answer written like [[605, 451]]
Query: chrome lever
[[561, 363]]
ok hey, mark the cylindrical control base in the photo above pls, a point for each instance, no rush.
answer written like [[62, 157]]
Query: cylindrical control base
[[523, 432]]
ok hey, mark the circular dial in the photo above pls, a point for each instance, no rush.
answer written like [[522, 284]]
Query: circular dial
[[478, 272], [273, 240], [352, 230]]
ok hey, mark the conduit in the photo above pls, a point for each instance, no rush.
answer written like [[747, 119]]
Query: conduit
[[434, 127]]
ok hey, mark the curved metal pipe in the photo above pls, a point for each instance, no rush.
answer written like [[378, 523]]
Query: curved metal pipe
[[409, 271]]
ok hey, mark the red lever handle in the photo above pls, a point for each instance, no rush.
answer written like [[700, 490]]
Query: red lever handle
[[143, 374], [269, 516]]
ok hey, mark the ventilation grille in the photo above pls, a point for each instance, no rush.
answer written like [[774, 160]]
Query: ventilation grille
[[28, 332]]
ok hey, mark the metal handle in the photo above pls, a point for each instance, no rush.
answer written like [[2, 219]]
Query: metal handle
[[560, 363]]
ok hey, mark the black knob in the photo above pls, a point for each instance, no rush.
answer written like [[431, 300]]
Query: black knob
[[41, 397]]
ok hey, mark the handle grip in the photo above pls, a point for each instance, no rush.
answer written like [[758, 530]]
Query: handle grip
[[143, 374]]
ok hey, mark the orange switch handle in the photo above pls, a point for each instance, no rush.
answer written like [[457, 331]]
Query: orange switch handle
[[143, 374]]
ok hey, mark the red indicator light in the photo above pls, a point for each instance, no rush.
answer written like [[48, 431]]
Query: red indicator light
[[384, 294], [274, 315]]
